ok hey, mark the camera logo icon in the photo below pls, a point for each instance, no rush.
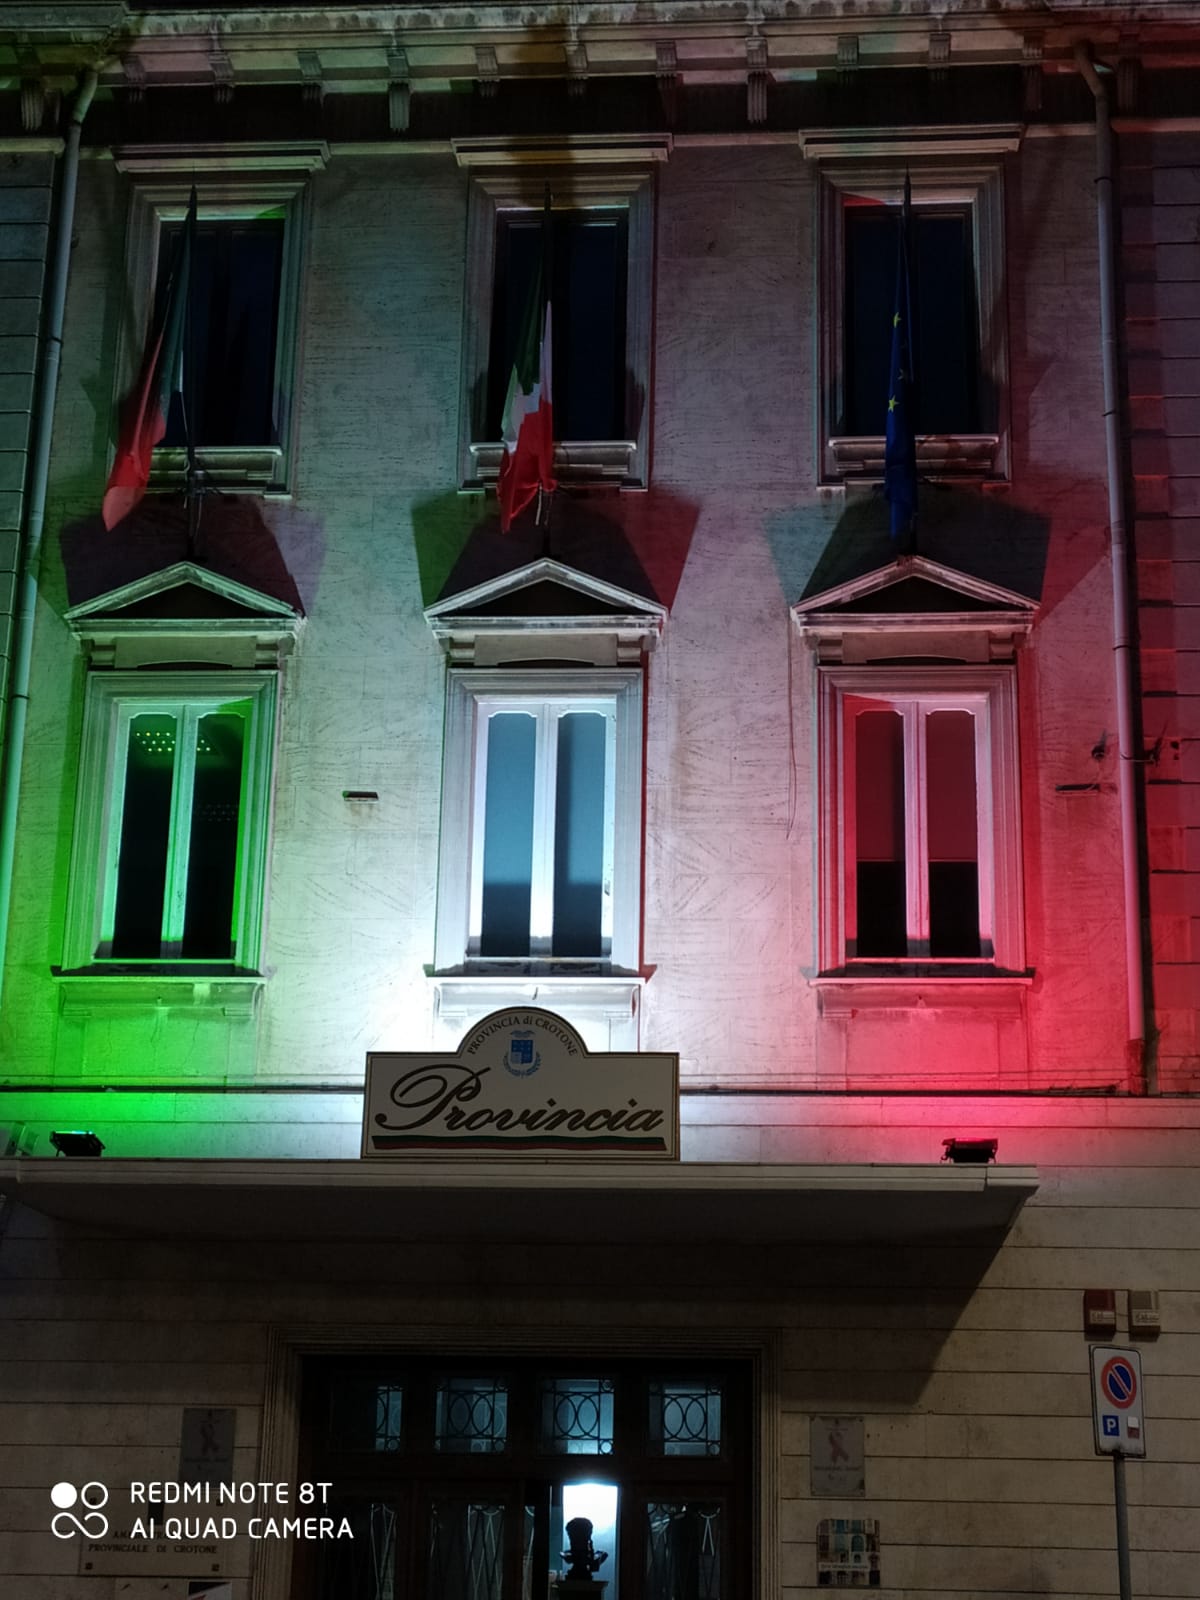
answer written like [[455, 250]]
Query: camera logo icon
[[91, 1496]]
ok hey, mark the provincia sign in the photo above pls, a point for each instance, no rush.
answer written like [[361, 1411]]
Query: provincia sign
[[522, 1083]]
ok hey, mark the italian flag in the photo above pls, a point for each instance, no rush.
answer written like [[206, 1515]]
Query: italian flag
[[528, 424], [144, 415]]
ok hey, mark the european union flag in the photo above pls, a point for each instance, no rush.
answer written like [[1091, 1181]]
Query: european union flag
[[900, 448]]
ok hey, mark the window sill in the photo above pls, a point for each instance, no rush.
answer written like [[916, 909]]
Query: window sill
[[223, 989], [506, 967], [604, 1006], [922, 972], [254, 468], [844, 995], [575, 462], [969, 456]]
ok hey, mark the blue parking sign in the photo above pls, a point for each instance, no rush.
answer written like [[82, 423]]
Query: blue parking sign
[[1111, 1426]]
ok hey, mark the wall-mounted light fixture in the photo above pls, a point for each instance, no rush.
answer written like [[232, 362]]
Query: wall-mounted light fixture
[[968, 1152], [76, 1144]]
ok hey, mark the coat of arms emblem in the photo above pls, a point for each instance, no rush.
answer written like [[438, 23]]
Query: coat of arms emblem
[[521, 1059]]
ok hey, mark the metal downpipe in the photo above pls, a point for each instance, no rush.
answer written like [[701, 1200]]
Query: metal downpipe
[[1128, 753], [27, 590]]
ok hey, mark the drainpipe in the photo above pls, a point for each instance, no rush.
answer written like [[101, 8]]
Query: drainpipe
[[1128, 753], [27, 591]]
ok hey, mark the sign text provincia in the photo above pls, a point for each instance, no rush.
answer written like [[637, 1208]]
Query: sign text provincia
[[522, 1082]]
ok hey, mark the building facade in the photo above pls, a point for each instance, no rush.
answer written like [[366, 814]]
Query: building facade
[[889, 838]]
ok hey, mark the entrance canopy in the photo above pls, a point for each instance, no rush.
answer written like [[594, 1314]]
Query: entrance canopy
[[543, 1202]]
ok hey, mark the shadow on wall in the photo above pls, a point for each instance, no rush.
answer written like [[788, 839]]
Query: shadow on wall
[[234, 540], [639, 543], [982, 535]]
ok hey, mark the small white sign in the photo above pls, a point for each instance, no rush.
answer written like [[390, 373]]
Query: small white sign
[[1118, 1403], [837, 1458], [206, 1444], [522, 1083]]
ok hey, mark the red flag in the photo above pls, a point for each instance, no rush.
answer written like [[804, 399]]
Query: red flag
[[528, 425], [144, 414]]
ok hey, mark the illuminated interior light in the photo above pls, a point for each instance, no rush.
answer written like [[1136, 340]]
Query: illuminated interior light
[[598, 1503]]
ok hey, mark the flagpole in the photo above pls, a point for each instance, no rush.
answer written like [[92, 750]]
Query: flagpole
[[900, 442], [544, 499], [187, 403], [911, 291]]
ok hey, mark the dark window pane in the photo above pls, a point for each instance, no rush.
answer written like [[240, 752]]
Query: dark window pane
[[229, 346], [472, 1416], [881, 906], [588, 301], [579, 834], [683, 1551], [466, 1551], [508, 835], [145, 836], [577, 1416], [685, 1419], [213, 851], [944, 311], [947, 327], [365, 1414], [363, 1567], [953, 834]]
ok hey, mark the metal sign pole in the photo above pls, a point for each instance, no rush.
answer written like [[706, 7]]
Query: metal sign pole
[[1122, 1509]]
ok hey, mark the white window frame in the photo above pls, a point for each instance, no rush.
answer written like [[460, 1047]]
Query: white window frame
[[473, 696], [592, 182], [988, 693], [971, 180], [273, 181], [112, 701]]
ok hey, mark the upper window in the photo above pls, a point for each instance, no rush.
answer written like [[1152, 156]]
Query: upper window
[[945, 318], [956, 262], [171, 820], [541, 836], [240, 345], [920, 823], [587, 297], [600, 301], [232, 337]]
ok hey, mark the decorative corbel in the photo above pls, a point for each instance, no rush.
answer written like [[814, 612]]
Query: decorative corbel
[[1032, 51], [847, 56], [134, 72], [666, 72], [488, 70], [222, 67], [756, 79], [577, 68], [1129, 73], [312, 83], [33, 92], [939, 56], [399, 89]]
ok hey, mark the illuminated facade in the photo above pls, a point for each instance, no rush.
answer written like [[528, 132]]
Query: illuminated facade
[[889, 842]]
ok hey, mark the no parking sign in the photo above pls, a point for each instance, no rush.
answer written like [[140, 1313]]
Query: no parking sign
[[1117, 1401]]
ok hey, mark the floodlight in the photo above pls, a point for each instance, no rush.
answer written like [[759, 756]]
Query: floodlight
[[968, 1152], [76, 1143]]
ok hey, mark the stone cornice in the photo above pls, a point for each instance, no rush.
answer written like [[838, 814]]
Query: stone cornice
[[349, 48]]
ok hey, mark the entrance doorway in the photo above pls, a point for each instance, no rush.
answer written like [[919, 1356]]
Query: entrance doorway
[[468, 1480]]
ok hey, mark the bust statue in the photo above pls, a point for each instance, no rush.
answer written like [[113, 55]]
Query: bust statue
[[583, 1559]]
